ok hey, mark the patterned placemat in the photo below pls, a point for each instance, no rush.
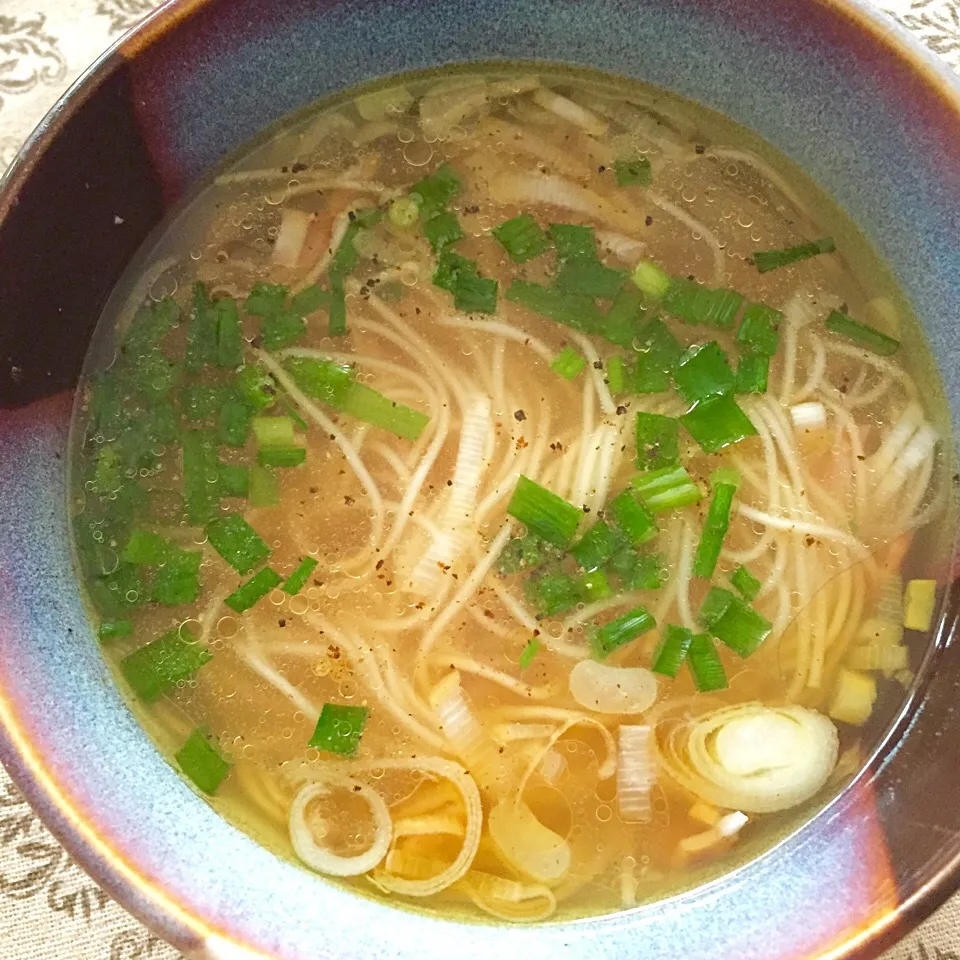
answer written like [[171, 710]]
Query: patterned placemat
[[49, 908]]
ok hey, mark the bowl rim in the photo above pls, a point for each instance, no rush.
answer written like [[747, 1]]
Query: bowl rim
[[181, 925]]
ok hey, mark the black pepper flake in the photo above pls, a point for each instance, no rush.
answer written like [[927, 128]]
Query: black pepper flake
[[349, 501], [519, 416], [699, 148], [351, 215], [298, 168], [621, 409], [649, 221], [601, 168], [597, 364], [281, 622]]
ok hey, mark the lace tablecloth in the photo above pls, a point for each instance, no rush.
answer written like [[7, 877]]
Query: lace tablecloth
[[49, 908]]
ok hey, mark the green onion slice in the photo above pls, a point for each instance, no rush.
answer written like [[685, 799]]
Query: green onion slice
[[658, 441], [705, 664], [669, 488], [862, 334], [237, 542], [160, 665], [717, 422], [254, 590], [544, 513], [298, 579], [568, 363], [621, 631], [765, 260], [725, 484], [202, 762], [521, 237], [339, 729], [672, 650]]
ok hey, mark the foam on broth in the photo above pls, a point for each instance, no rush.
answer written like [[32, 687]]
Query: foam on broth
[[433, 649]]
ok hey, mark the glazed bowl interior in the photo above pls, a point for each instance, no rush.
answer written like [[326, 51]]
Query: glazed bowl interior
[[864, 113]]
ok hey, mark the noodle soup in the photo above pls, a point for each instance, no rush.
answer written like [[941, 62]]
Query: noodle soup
[[501, 491]]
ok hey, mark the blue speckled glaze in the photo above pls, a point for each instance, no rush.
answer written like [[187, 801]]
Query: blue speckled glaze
[[876, 127]]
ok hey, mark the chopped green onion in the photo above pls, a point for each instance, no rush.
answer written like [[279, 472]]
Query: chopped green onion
[[281, 329], [622, 319], [573, 241], [635, 521], [705, 664], [255, 589], [273, 431], [702, 372], [695, 304], [234, 479], [177, 581], [717, 422], [522, 553], [714, 606], [160, 665], [145, 549], [201, 331], [616, 374], [229, 338], [590, 278], [121, 589], [199, 402], [725, 484], [309, 300], [740, 627], [404, 212], [471, 292], [615, 634], [337, 323], [372, 407], [281, 456], [339, 729], [324, 380], [568, 363], [765, 260], [521, 237], [266, 299], [201, 493], [237, 542], [634, 172], [637, 571], [264, 489], [114, 630], [202, 763], [434, 192], [298, 579], [596, 546], [861, 334], [669, 488], [595, 586], [544, 513], [571, 309], [753, 372], [672, 650], [746, 584], [529, 651], [657, 359], [257, 387], [552, 593], [233, 422], [759, 329], [658, 441], [651, 280], [442, 230]]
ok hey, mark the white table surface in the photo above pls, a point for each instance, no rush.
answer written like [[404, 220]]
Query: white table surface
[[49, 908]]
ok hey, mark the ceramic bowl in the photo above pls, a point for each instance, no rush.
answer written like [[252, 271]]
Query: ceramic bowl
[[839, 90]]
